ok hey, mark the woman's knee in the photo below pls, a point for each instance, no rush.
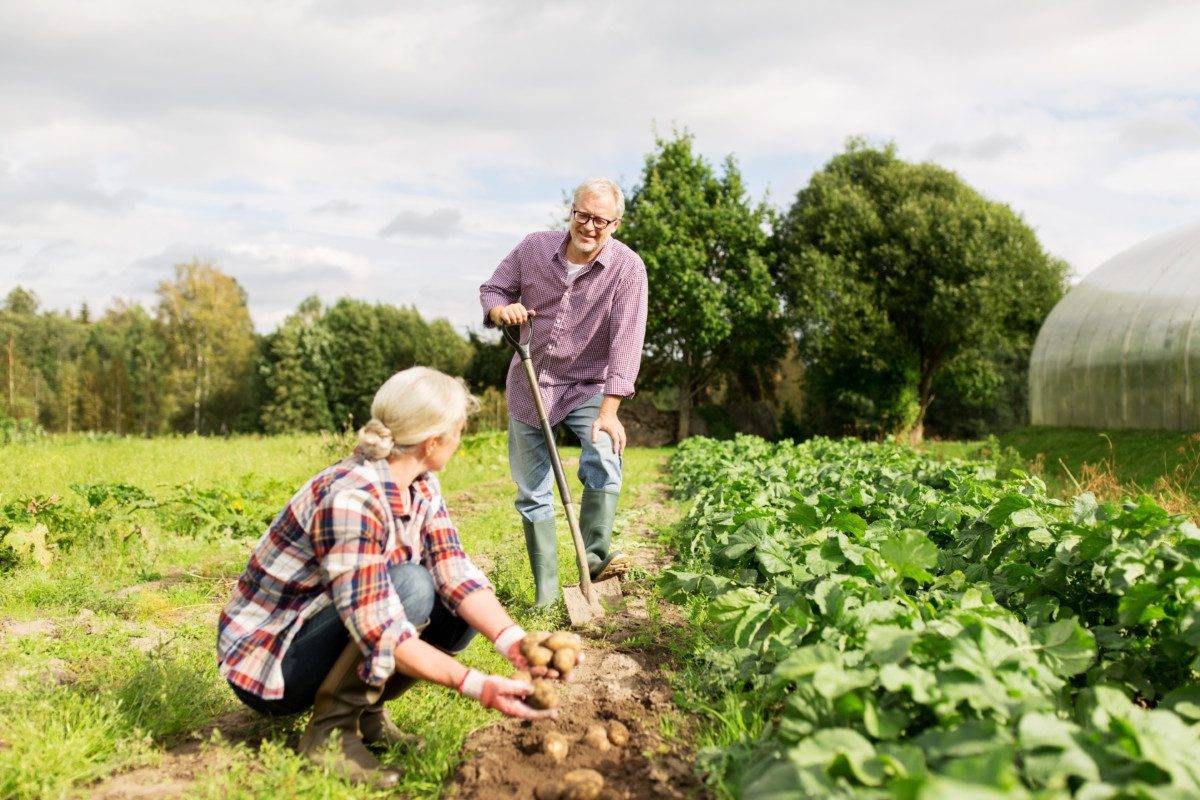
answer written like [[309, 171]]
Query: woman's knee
[[415, 587]]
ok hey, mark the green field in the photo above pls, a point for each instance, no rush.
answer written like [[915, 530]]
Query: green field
[[1162, 463], [129, 547], [109, 639]]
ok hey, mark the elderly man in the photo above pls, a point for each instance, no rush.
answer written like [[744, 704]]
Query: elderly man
[[584, 295]]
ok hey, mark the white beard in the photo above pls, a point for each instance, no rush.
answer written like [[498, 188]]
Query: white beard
[[584, 246]]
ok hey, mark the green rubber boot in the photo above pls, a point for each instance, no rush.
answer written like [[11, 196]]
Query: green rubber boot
[[597, 514], [542, 545]]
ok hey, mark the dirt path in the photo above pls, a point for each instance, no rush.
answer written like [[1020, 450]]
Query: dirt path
[[623, 679]]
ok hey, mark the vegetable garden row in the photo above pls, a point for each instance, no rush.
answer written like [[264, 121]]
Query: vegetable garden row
[[871, 623]]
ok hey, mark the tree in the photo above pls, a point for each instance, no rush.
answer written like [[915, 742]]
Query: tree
[[712, 307], [358, 360], [297, 370], [207, 325], [488, 367], [893, 272]]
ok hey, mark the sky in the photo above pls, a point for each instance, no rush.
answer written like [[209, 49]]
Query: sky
[[396, 151]]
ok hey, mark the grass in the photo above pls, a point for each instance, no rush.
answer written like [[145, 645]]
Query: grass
[[1165, 464], [126, 614]]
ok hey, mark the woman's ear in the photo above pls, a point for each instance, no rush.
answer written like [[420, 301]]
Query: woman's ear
[[429, 445]]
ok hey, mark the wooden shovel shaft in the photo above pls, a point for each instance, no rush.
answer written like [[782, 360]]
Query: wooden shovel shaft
[[560, 477]]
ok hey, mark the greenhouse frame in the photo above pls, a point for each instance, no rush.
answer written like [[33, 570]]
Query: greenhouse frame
[[1122, 348]]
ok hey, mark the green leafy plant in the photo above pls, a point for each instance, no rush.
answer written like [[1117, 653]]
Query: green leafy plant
[[914, 628]]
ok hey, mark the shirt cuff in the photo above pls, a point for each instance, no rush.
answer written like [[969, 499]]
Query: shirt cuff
[[380, 663], [489, 302], [454, 595], [618, 386]]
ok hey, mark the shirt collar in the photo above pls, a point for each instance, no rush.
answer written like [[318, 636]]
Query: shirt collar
[[400, 499], [602, 258]]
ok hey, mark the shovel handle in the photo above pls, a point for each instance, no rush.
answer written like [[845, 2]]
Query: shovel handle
[[512, 334]]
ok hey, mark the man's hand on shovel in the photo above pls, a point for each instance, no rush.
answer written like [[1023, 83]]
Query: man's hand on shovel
[[514, 314]]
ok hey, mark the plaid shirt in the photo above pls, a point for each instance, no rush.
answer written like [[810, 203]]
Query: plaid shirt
[[588, 332], [333, 543]]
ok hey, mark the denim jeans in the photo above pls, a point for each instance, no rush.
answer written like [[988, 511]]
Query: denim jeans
[[321, 640], [529, 460]]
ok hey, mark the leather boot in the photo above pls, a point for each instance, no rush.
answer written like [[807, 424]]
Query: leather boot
[[340, 701], [598, 512], [542, 544], [378, 731]]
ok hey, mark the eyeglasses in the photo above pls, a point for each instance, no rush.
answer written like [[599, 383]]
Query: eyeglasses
[[583, 218]]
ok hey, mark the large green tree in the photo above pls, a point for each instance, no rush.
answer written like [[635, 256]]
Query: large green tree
[[297, 370], [897, 276], [713, 312], [213, 349]]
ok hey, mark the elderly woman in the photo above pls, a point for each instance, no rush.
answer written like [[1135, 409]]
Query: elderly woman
[[360, 587]]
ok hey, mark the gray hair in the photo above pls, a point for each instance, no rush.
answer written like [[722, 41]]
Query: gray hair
[[599, 186], [412, 406]]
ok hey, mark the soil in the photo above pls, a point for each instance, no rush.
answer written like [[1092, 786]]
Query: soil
[[622, 679]]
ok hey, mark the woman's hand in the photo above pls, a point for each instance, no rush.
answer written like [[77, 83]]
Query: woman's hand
[[508, 644], [503, 694]]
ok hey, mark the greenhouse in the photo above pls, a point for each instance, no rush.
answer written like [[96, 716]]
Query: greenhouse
[[1122, 349]]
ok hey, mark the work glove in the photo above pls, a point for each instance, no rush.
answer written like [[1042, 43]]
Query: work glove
[[503, 694]]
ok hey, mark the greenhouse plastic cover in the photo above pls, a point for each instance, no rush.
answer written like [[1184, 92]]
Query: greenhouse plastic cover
[[1122, 349]]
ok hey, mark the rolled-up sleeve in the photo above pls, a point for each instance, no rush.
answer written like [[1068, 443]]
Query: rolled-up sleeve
[[628, 330], [504, 287], [455, 576], [350, 541]]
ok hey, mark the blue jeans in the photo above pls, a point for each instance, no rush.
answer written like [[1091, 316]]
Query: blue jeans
[[322, 639], [529, 460]]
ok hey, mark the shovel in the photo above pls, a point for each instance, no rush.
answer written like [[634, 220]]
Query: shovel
[[586, 601]]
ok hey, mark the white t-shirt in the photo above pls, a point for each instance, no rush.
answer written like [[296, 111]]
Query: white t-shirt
[[573, 269]]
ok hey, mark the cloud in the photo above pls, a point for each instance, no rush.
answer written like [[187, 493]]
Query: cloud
[[989, 148], [338, 207], [438, 224], [1163, 131], [240, 128]]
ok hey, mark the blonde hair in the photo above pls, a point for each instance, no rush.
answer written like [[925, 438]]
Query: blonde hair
[[412, 406], [599, 186]]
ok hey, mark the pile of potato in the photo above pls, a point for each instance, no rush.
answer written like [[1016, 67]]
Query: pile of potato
[[559, 651]]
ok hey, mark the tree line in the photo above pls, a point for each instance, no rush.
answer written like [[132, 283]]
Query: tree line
[[193, 363], [909, 300]]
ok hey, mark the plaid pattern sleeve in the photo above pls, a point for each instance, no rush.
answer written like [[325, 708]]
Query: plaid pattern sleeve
[[350, 542], [454, 574]]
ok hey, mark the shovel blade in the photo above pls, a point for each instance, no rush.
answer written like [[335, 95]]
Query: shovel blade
[[606, 595]]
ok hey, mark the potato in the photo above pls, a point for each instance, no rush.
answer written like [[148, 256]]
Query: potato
[[523, 676], [597, 737], [550, 790], [555, 745], [618, 734], [539, 656], [564, 660], [532, 640], [558, 641], [582, 784], [544, 695]]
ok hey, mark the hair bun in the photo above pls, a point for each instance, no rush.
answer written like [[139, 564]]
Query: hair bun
[[375, 439]]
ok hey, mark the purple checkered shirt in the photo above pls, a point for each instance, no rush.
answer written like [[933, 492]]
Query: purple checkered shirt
[[587, 333]]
